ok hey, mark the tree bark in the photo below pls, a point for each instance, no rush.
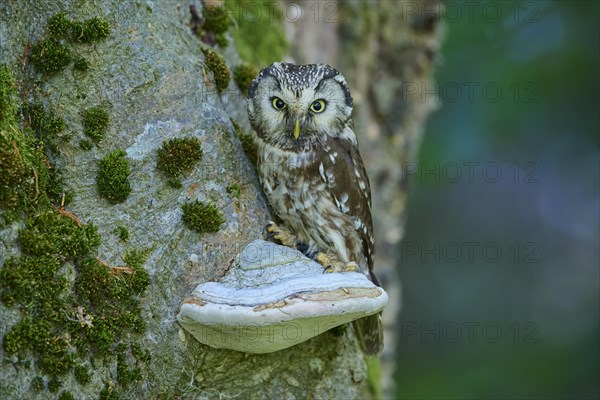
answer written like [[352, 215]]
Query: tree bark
[[150, 76]]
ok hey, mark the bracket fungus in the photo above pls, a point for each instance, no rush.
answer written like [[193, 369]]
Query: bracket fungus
[[274, 297]]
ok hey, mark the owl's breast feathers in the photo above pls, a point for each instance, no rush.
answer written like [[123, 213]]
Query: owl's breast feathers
[[322, 195]]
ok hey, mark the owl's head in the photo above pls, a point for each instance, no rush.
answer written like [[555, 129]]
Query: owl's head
[[294, 106]]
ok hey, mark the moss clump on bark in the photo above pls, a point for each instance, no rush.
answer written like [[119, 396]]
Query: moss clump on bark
[[82, 375], [59, 26], [62, 323], [50, 56], [95, 123], [66, 395], [45, 123], [122, 232], [37, 283], [176, 156], [85, 144], [47, 126], [112, 293], [216, 19], [37, 384], [217, 22], [8, 95], [202, 217], [24, 172], [89, 31], [216, 63], [54, 385], [113, 177]]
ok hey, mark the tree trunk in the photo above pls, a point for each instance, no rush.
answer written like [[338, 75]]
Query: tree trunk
[[150, 76]]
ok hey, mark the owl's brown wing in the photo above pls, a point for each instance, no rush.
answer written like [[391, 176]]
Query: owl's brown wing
[[350, 189], [352, 185]]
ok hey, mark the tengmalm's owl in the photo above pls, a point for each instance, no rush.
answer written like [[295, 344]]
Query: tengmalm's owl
[[312, 173]]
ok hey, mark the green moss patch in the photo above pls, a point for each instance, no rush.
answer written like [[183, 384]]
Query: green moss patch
[[54, 385], [112, 294], [47, 126], [82, 375], [45, 123], [24, 174], [176, 156], [59, 26], [52, 54], [27, 176], [109, 392], [8, 95], [95, 123], [243, 75], [50, 233], [113, 177], [66, 395], [202, 217], [216, 19], [36, 283], [85, 144], [218, 66], [61, 324], [89, 31], [126, 374], [122, 232], [37, 384]]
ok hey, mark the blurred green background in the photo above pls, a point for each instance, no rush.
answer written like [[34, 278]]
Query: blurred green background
[[500, 263]]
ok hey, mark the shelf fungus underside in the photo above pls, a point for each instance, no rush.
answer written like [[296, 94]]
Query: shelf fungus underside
[[274, 297]]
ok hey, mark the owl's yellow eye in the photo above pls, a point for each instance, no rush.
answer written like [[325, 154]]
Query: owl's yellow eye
[[278, 103], [318, 106]]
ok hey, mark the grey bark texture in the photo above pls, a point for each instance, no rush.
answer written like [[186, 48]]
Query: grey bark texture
[[149, 75]]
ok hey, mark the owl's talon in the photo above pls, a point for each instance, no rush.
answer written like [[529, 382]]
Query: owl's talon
[[332, 264], [351, 267], [341, 267], [273, 233]]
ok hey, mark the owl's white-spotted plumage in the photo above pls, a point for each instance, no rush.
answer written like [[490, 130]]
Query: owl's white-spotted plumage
[[310, 168]]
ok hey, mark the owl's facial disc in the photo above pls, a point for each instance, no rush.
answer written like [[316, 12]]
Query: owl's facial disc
[[295, 106]]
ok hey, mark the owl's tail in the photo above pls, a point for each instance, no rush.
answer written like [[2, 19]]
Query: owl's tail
[[369, 331]]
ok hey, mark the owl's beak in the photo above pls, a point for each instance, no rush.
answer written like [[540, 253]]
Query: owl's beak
[[297, 129]]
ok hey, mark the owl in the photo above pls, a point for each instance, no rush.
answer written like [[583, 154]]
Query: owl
[[312, 174]]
